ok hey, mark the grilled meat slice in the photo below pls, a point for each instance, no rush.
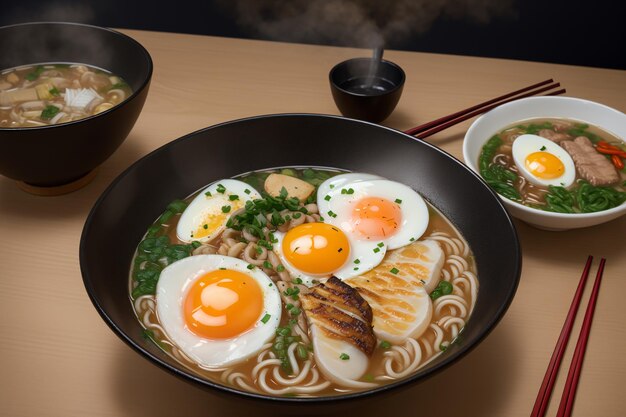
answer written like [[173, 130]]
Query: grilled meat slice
[[339, 311]]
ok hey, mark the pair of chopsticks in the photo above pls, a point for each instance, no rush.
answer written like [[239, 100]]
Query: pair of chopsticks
[[430, 128], [571, 384]]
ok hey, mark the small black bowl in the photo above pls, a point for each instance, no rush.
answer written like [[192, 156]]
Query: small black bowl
[[123, 213], [365, 90], [53, 156]]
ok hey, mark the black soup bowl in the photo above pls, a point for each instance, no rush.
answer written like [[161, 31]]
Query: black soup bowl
[[55, 155], [365, 89], [121, 216]]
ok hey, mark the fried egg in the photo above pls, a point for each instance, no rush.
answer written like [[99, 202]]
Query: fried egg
[[377, 215], [315, 251], [216, 309], [207, 214], [543, 162]]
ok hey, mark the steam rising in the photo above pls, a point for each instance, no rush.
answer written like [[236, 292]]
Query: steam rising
[[363, 23]]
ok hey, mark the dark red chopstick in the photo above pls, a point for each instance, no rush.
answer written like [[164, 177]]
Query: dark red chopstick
[[571, 384], [426, 126], [543, 397], [451, 122]]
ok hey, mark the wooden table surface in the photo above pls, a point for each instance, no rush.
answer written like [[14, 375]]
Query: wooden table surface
[[58, 358]]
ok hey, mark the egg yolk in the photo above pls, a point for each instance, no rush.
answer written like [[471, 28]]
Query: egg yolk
[[222, 304], [316, 248], [544, 165], [214, 219], [376, 217]]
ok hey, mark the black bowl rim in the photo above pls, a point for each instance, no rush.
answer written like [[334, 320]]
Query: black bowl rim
[[188, 376], [351, 93], [143, 85]]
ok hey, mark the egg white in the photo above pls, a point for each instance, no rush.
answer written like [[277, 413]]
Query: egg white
[[341, 179], [172, 288], [524, 145], [209, 202], [414, 211]]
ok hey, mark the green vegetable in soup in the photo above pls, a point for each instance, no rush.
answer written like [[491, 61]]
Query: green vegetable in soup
[[49, 112], [580, 129], [497, 176], [585, 199], [534, 128], [155, 252], [443, 288], [32, 76]]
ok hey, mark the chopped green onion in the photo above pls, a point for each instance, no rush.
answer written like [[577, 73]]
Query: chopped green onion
[[266, 318], [344, 357], [208, 194], [357, 261], [394, 270], [327, 198], [225, 209], [250, 266], [221, 189], [297, 280], [233, 197], [302, 352], [247, 191], [267, 264], [398, 201], [54, 91], [380, 245], [376, 250], [385, 344], [280, 268], [206, 226], [543, 148]]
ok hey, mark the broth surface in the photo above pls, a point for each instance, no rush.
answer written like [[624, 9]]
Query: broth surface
[[52, 93], [388, 362]]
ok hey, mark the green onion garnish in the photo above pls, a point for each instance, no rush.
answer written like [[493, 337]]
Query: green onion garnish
[[385, 344], [225, 209], [394, 270], [280, 268], [398, 201], [233, 197], [247, 191], [266, 318], [344, 357], [327, 198], [250, 266], [221, 189]]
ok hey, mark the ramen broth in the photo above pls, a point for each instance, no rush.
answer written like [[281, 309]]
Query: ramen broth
[[53, 93], [599, 189], [446, 324]]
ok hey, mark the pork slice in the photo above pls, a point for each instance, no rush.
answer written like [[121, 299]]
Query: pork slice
[[340, 321], [340, 312], [590, 164], [554, 136]]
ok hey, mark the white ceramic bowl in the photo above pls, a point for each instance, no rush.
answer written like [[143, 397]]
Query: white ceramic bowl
[[494, 121]]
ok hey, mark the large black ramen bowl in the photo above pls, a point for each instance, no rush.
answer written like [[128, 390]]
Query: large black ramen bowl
[[138, 196], [51, 156]]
